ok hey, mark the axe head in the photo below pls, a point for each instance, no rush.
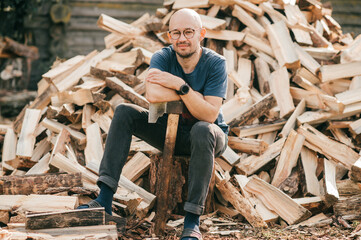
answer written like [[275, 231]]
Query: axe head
[[157, 110]]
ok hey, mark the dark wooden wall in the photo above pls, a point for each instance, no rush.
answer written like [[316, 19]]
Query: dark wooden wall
[[81, 34], [348, 14]]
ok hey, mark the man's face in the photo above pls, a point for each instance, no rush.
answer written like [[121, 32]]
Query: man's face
[[189, 36]]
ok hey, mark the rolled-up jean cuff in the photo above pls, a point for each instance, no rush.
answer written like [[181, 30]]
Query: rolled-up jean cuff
[[193, 208], [108, 181]]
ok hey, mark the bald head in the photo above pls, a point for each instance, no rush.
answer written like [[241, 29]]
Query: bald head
[[185, 17]]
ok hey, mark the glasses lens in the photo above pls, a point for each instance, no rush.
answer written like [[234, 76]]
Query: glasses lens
[[175, 34], [188, 33]]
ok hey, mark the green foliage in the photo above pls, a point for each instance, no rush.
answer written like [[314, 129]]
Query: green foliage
[[12, 17]]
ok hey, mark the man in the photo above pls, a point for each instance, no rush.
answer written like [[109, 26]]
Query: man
[[197, 76]]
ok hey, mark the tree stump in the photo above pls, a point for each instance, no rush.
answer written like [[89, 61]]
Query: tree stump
[[177, 195]]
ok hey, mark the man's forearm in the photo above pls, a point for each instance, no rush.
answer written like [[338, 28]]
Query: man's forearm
[[157, 93], [202, 108]]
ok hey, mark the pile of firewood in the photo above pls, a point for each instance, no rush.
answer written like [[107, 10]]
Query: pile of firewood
[[293, 106]]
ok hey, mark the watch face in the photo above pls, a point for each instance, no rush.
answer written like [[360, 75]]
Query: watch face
[[184, 89]]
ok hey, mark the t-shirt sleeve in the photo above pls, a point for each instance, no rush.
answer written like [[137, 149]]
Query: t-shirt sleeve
[[159, 60], [216, 84]]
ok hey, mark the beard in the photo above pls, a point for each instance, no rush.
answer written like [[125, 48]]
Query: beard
[[185, 55]]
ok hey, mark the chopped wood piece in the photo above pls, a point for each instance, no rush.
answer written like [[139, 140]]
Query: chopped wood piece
[[255, 129], [282, 95], [307, 60], [258, 43], [291, 122], [241, 204], [178, 4], [70, 166], [348, 187], [63, 68], [94, 232], [212, 22], [72, 218], [94, 145], [247, 145], [136, 166], [255, 111], [336, 71], [330, 148], [230, 156], [9, 146], [57, 127], [251, 164], [355, 173], [116, 26], [263, 75], [349, 97], [288, 157], [80, 98], [37, 203], [348, 207], [277, 201], [93, 58], [282, 45], [309, 162], [249, 6], [249, 21], [25, 145], [226, 35], [126, 92], [25, 185], [331, 193]]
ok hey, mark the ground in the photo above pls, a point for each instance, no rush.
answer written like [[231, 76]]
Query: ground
[[141, 230]]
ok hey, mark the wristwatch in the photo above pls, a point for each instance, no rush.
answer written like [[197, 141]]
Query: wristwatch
[[184, 89]]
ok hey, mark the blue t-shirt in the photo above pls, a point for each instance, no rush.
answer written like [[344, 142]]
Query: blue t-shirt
[[208, 78]]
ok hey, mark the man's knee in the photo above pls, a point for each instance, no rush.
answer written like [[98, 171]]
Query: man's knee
[[125, 110], [201, 131]]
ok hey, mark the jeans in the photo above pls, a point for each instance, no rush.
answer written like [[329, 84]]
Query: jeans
[[203, 142]]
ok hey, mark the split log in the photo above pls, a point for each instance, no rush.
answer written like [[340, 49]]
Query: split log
[[255, 111], [309, 163], [72, 218], [331, 193], [94, 147], [328, 147], [126, 92], [251, 164], [277, 201], [25, 185], [136, 166], [247, 145], [348, 207], [291, 122], [355, 173], [255, 129], [37, 203], [249, 21], [288, 157], [282, 94], [336, 71], [230, 193], [25, 145], [282, 45], [230, 156]]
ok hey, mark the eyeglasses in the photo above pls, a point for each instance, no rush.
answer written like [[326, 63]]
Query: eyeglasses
[[176, 34]]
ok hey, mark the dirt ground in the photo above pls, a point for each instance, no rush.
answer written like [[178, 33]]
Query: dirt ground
[[246, 232]]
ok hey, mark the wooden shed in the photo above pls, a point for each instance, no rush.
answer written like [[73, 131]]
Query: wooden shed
[[80, 35]]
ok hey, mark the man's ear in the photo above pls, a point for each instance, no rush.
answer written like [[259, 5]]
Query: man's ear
[[203, 33]]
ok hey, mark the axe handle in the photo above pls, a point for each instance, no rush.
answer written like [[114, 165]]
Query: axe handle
[[165, 167]]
